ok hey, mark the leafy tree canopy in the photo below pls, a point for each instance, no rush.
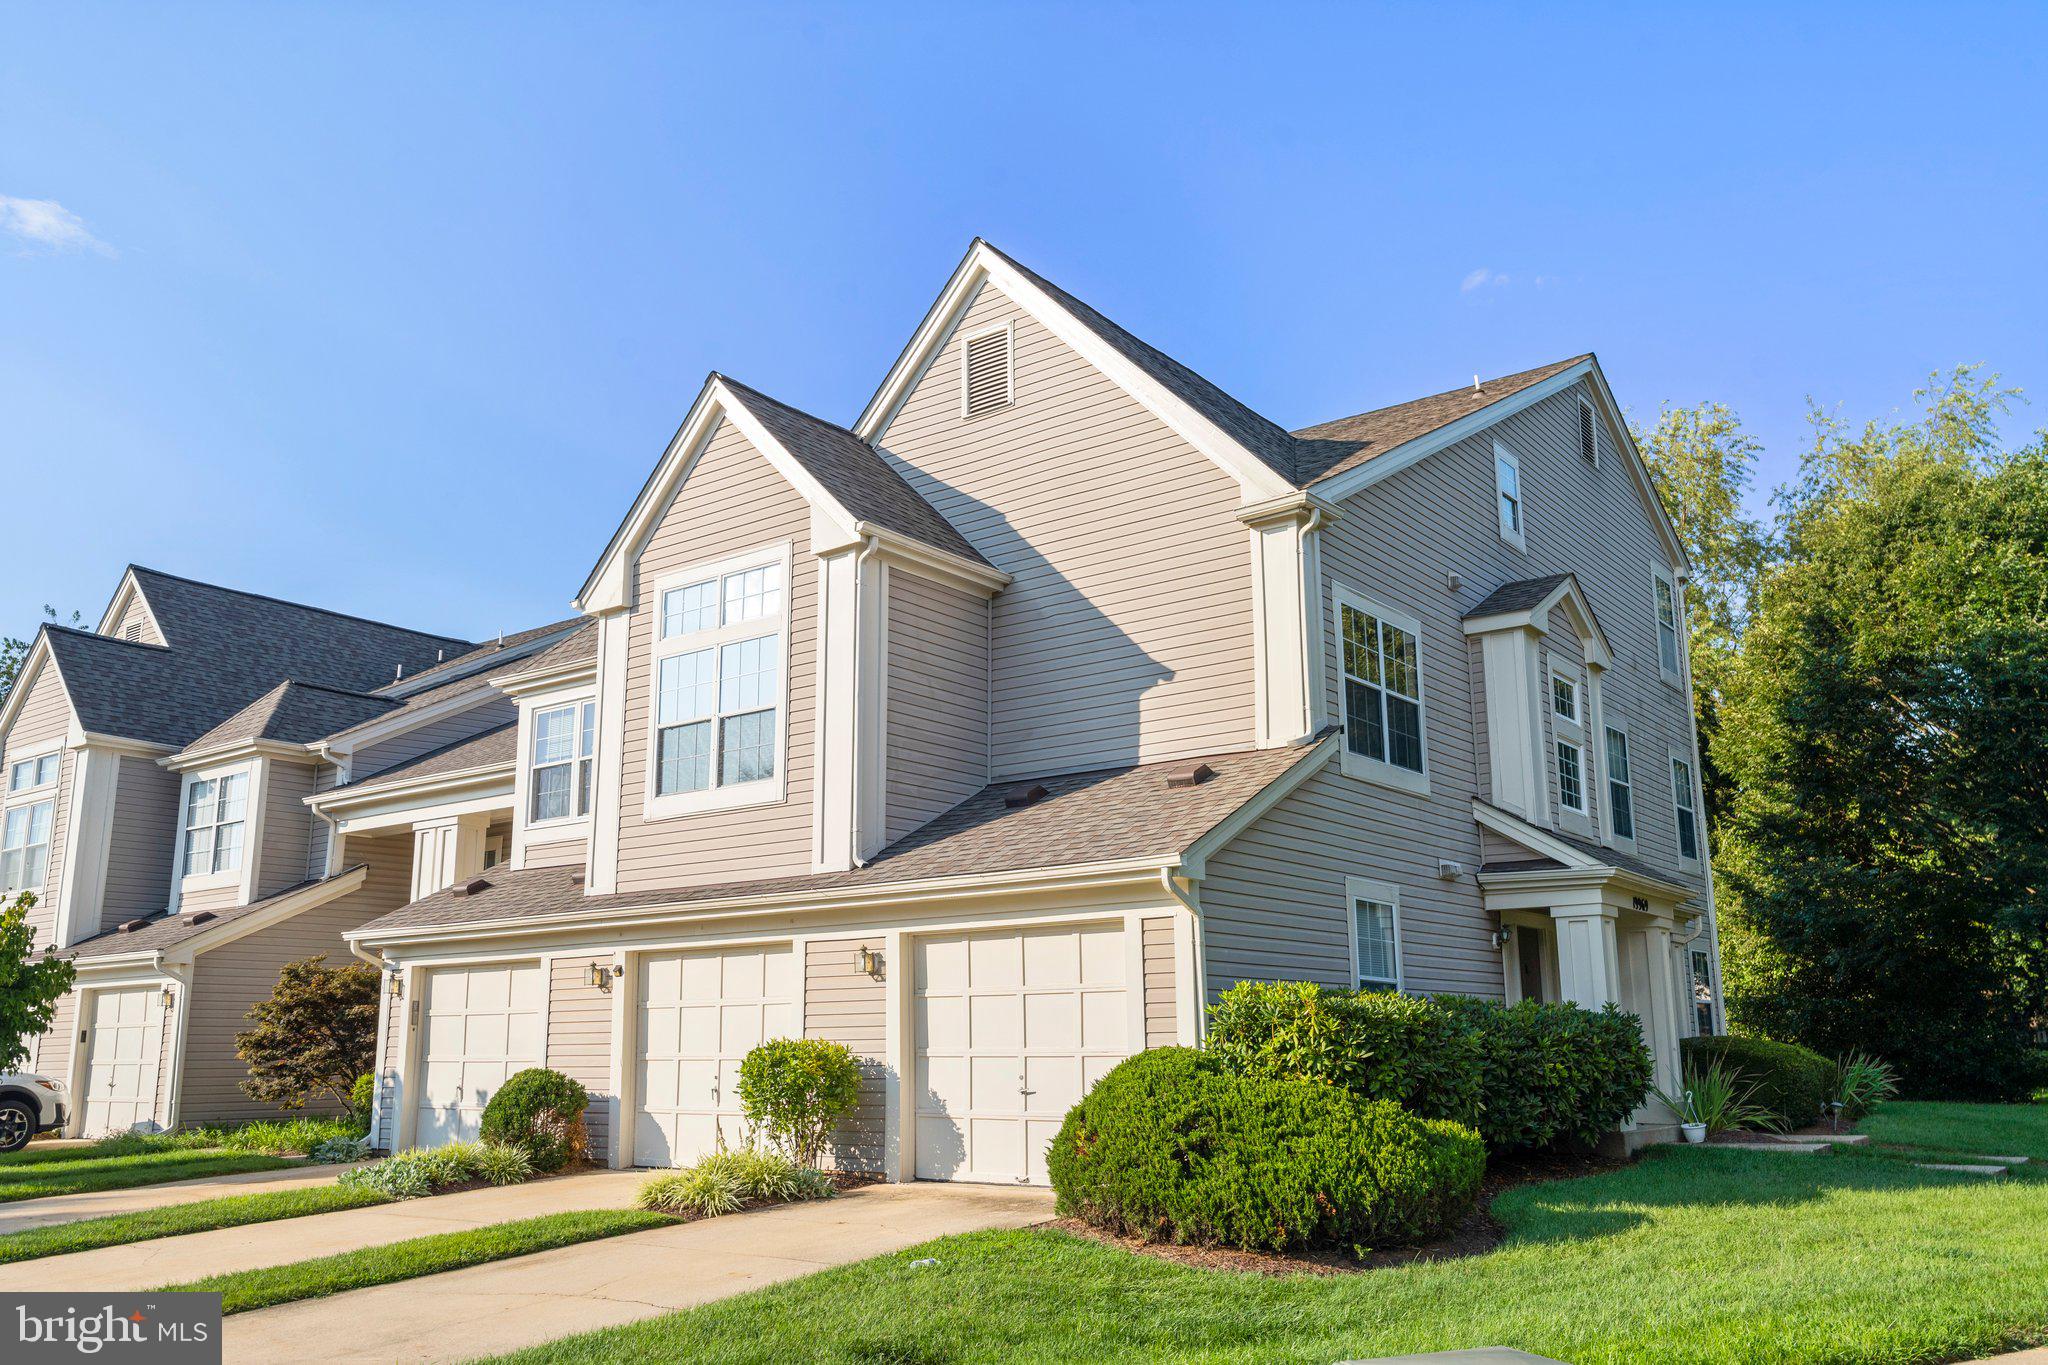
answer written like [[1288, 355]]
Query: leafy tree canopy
[[314, 1036], [31, 983]]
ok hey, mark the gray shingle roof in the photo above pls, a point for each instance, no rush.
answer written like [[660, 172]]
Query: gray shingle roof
[[498, 745], [1519, 595], [852, 472], [579, 646], [1113, 814], [296, 713], [1599, 853], [516, 645], [162, 932]]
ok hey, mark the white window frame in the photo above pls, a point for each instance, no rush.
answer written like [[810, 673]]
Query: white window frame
[[1363, 766], [1589, 421], [26, 807], [1690, 805], [530, 733], [1009, 331], [1518, 535], [1579, 757], [1358, 889], [246, 851], [1695, 959], [1577, 719], [1608, 805], [35, 762], [766, 791], [1672, 672]]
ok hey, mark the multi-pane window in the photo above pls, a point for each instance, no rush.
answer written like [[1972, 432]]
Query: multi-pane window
[[1688, 815], [1382, 690], [1564, 697], [1621, 811], [718, 705], [1507, 478], [25, 847], [1667, 625], [1702, 994], [564, 746], [30, 773], [1378, 944], [1571, 782], [214, 810]]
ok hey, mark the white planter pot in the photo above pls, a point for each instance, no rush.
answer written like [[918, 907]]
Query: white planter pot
[[1694, 1132]]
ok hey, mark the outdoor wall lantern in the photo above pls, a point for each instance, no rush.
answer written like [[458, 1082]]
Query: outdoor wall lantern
[[397, 986], [600, 976], [1502, 935], [170, 997], [870, 961]]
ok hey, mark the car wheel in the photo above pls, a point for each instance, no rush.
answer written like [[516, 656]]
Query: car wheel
[[17, 1125]]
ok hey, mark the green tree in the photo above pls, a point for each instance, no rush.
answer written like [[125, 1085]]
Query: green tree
[[1703, 464], [314, 1036], [31, 983], [1885, 729]]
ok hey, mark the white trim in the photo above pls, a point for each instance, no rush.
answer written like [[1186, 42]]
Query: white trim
[[88, 829], [1570, 676], [601, 870], [1358, 889], [181, 883], [386, 974], [1517, 535], [1008, 331], [128, 587], [1314, 758], [1559, 745], [562, 827], [1286, 625], [275, 910], [401, 721], [1386, 774]]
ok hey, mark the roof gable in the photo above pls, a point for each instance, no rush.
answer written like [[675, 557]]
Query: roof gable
[[294, 712]]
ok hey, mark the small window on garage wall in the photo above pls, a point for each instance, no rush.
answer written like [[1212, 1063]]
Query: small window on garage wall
[[1375, 915]]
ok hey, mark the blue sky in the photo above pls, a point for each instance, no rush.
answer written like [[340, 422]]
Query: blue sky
[[391, 308]]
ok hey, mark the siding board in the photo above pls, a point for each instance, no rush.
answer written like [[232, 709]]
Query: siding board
[[580, 1043], [143, 842], [845, 1005], [937, 726]]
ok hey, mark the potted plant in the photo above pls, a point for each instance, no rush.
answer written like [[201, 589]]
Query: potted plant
[[1714, 1101]]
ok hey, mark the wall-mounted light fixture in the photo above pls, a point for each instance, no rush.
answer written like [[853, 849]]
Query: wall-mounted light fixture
[[397, 986], [600, 976], [170, 997], [1502, 935], [870, 961]]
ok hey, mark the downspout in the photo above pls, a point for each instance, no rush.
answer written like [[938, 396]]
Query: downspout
[[869, 547], [1311, 619], [1170, 881]]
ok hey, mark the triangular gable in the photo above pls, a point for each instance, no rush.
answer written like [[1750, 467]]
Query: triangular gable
[[1504, 609], [130, 590], [38, 658], [1237, 440]]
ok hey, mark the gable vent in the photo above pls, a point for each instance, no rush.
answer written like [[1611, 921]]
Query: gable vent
[[1589, 445], [987, 372], [133, 632]]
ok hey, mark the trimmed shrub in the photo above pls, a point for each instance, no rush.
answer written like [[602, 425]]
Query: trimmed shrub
[[1379, 1045], [540, 1112], [338, 1149], [1553, 1073], [726, 1182], [1170, 1145], [362, 1101], [1792, 1083], [796, 1090]]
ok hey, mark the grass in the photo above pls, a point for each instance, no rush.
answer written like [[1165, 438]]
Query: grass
[[85, 1174], [245, 1290], [1980, 1129], [1687, 1255], [176, 1220], [265, 1137]]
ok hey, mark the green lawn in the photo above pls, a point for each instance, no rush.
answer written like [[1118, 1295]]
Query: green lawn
[[1982, 1129], [175, 1220], [37, 1180], [1686, 1255], [248, 1289]]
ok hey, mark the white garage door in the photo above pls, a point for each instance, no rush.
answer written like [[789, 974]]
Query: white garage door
[[481, 1024], [125, 1042], [1012, 1029], [700, 1014]]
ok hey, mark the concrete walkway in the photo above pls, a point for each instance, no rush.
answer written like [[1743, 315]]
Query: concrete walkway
[[141, 1266], [488, 1309], [69, 1208]]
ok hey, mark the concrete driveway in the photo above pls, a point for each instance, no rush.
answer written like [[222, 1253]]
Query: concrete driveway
[[488, 1309], [69, 1208]]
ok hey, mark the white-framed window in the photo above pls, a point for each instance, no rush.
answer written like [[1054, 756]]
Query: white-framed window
[[988, 369], [1384, 729], [1507, 487], [1686, 808], [1375, 914], [1621, 810], [1702, 993], [560, 758], [1589, 440], [1571, 778], [26, 774], [720, 664], [1664, 598], [1564, 698], [25, 847], [215, 808]]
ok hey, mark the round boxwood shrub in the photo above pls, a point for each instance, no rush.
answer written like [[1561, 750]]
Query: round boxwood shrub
[[1379, 1045], [1553, 1073], [540, 1112], [1792, 1082], [1172, 1146]]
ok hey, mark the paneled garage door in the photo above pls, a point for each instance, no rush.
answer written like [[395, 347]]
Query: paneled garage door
[[481, 1024], [700, 1013], [1012, 1029], [125, 1042]]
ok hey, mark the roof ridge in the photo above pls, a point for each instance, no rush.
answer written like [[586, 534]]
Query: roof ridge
[[335, 691], [301, 606], [1306, 432], [56, 629], [765, 397]]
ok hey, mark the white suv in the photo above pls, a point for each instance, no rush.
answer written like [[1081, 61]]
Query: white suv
[[28, 1105]]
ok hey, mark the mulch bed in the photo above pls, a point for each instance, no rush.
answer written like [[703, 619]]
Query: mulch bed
[[1477, 1235]]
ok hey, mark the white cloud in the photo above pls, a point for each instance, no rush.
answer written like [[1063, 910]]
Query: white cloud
[[47, 224], [1481, 278]]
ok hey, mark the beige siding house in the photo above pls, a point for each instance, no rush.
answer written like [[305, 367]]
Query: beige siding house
[[992, 734]]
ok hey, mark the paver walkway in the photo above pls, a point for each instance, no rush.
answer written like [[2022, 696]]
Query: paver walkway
[[69, 1208], [487, 1309], [168, 1260]]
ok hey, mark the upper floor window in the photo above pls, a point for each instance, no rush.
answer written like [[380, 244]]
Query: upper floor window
[[1666, 598], [1621, 811], [1507, 482], [25, 847], [719, 678], [564, 743], [30, 773], [1688, 814], [1382, 694], [1564, 697], [1375, 934], [214, 811], [1571, 780], [988, 370]]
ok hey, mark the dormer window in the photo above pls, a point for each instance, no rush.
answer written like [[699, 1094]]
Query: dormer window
[[988, 370], [718, 682], [562, 755], [214, 811]]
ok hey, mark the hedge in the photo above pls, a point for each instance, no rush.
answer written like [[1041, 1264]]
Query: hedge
[[1792, 1082], [1171, 1146], [1553, 1073]]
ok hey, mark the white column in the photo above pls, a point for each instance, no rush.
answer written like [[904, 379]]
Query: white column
[[1286, 615], [1660, 1009], [447, 851], [852, 674], [88, 839], [1516, 762], [1588, 958]]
